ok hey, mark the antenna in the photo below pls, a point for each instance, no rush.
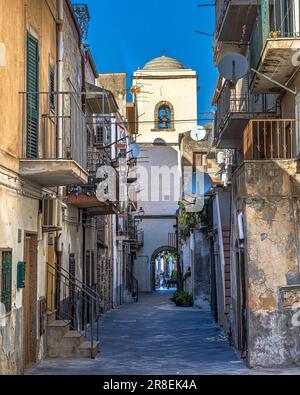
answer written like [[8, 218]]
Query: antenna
[[198, 133], [134, 150]]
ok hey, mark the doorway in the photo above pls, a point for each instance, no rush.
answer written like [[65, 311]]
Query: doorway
[[241, 302], [30, 300], [164, 262]]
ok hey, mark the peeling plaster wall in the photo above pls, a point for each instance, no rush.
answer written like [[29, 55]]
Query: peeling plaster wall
[[201, 269], [18, 212], [268, 193]]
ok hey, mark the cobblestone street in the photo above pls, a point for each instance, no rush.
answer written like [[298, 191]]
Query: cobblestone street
[[155, 337]]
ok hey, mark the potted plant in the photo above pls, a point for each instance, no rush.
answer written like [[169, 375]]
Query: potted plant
[[183, 299]]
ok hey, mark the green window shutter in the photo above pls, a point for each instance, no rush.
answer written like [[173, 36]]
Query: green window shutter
[[52, 88], [21, 275], [6, 275], [32, 81]]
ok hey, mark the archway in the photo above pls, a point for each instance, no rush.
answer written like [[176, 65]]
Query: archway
[[164, 268]]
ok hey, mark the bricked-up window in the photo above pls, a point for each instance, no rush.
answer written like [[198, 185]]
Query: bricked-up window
[[6, 279], [199, 162]]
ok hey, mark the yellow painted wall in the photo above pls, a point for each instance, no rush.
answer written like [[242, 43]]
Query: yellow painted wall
[[16, 18]]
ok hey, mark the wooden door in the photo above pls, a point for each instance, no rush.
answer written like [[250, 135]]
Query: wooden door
[[51, 273], [241, 302], [30, 300]]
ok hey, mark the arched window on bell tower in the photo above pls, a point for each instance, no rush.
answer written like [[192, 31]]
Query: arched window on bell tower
[[164, 116]]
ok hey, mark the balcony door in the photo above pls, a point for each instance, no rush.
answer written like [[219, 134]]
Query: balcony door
[[32, 88], [297, 111], [30, 300]]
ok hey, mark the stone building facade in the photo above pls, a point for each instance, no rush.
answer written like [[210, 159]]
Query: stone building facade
[[165, 95]]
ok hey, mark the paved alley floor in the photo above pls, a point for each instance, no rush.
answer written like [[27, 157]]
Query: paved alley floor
[[154, 337]]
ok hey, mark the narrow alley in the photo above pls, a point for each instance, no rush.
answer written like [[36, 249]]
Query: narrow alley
[[149, 188], [154, 337]]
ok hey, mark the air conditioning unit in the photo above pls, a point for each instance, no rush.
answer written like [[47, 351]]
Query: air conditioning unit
[[220, 157], [51, 215]]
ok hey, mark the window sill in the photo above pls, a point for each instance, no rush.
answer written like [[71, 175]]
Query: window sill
[[163, 130]]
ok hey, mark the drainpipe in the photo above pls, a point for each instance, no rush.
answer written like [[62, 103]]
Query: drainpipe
[[60, 103], [60, 54], [221, 246]]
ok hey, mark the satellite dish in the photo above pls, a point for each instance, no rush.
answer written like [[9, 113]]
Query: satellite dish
[[200, 184], [233, 67], [134, 150], [198, 133]]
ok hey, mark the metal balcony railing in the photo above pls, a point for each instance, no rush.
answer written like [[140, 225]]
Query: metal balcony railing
[[172, 240], [220, 11], [40, 125], [231, 102], [140, 237], [275, 21], [270, 139]]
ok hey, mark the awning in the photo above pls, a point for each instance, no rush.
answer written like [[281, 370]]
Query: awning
[[100, 101]]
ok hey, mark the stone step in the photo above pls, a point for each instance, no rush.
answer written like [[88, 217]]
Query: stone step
[[72, 339], [51, 316], [58, 328], [84, 350]]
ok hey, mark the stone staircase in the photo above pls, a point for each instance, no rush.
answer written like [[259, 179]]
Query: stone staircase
[[62, 342]]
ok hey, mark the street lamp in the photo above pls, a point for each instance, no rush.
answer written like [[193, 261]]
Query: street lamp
[[141, 212], [139, 217]]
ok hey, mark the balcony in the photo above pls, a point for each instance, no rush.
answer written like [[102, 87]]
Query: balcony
[[234, 110], [84, 197], [235, 20], [275, 43], [272, 139], [140, 237], [50, 158], [122, 228], [132, 174]]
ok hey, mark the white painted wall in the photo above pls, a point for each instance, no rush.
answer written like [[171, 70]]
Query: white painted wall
[[156, 193], [155, 236]]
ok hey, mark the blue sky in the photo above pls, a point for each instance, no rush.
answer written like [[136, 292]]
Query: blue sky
[[125, 34]]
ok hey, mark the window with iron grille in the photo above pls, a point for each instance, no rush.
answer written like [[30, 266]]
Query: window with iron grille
[[52, 88], [100, 135], [6, 279]]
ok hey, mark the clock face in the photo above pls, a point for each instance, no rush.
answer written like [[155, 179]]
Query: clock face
[[198, 133]]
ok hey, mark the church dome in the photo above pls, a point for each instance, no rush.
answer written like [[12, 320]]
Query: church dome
[[163, 63]]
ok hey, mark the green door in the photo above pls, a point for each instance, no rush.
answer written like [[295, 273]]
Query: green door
[[32, 81], [265, 19]]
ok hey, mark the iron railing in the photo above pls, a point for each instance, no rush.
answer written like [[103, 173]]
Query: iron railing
[[140, 237], [231, 102], [273, 22], [74, 302], [40, 125], [270, 139], [220, 11], [172, 240], [132, 285]]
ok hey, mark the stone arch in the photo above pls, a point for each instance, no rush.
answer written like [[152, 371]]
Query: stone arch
[[154, 255], [161, 249], [156, 111]]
